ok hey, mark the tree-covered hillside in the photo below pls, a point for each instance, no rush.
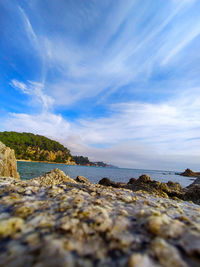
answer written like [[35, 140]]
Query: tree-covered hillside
[[80, 160], [29, 146]]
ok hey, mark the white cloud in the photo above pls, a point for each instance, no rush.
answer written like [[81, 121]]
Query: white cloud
[[45, 123], [186, 39], [132, 45], [29, 29], [20, 85], [34, 89], [138, 135]]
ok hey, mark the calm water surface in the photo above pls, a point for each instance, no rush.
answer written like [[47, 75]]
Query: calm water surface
[[29, 170]]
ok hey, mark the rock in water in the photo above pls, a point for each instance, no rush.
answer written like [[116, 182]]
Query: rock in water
[[190, 173], [8, 164]]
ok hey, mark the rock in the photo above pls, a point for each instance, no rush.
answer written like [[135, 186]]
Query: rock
[[132, 181], [190, 242], [120, 185], [53, 177], [82, 179], [169, 189], [144, 179], [8, 164], [76, 224], [190, 173], [144, 183], [107, 182], [196, 182], [192, 193], [162, 226], [167, 254], [10, 226], [139, 260], [174, 186]]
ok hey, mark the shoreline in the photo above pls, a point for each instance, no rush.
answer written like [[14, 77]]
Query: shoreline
[[50, 162]]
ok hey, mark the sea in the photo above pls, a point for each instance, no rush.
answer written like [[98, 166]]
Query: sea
[[28, 170]]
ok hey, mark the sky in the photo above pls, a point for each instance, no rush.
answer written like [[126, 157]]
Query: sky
[[117, 81]]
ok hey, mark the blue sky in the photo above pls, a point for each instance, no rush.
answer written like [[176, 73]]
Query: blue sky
[[117, 81]]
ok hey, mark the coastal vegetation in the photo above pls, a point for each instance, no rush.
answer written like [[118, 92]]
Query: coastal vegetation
[[28, 146], [80, 160]]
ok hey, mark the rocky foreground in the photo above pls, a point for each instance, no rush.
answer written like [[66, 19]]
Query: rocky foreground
[[54, 220]]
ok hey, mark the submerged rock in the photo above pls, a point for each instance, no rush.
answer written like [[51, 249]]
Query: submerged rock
[[8, 164]]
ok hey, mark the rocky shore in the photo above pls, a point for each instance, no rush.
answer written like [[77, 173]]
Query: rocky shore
[[168, 190], [54, 220]]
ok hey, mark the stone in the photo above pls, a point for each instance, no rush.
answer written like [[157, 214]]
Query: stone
[[132, 181], [167, 254], [190, 173], [192, 193], [107, 182], [82, 179], [144, 179], [190, 242], [139, 260], [9, 227], [8, 164], [53, 177], [162, 226]]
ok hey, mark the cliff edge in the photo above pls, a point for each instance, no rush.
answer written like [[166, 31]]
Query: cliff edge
[[8, 164]]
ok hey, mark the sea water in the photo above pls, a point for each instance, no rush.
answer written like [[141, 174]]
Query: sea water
[[28, 170]]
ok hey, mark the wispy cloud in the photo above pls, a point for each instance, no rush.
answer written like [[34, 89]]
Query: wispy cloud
[[136, 135], [137, 64], [36, 90], [186, 40], [29, 29]]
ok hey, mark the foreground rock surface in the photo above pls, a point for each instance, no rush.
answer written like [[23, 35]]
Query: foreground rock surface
[[82, 224], [8, 164]]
